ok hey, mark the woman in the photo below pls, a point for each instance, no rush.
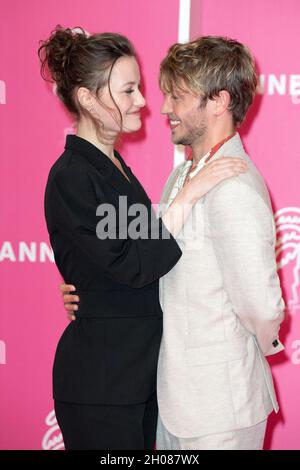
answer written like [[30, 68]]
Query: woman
[[104, 376]]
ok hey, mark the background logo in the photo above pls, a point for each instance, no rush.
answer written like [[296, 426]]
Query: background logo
[[52, 439], [287, 222]]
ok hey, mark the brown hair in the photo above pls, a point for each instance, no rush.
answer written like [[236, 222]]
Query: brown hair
[[74, 59], [208, 65]]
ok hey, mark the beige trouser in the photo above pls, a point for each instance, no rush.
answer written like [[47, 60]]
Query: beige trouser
[[242, 439]]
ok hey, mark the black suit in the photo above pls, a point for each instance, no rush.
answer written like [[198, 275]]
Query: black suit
[[107, 356]]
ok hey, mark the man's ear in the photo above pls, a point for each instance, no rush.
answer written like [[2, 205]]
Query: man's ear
[[222, 102]]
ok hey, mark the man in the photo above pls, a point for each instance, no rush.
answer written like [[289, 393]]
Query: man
[[222, 302]]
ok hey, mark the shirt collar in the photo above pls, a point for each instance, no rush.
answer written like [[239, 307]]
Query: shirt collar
[[101, 162]]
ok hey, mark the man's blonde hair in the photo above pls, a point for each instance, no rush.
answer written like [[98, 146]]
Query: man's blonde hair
[[208, 65]]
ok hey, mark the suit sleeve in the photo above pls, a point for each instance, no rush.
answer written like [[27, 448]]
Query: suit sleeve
[[134, 262], [243, 234]]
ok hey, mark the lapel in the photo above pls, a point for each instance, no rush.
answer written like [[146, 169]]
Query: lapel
[[102, 164], [171, 187], [140, 194]]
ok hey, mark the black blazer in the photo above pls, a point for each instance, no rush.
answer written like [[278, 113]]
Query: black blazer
[[109, 353]]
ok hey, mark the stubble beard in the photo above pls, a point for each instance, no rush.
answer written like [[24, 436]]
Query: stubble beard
[[192, 134]]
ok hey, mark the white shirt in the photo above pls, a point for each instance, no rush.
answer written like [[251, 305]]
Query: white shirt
[[183, 174]]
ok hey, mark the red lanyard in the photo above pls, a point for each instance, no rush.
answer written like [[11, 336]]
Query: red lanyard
[[217, 147], [214, 149]]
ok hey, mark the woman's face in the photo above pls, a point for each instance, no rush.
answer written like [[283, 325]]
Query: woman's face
[[124, 87]]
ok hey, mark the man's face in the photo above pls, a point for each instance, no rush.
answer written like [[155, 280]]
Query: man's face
[[188, 119]]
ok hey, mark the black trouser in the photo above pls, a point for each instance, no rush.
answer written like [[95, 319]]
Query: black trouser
[[108, 427]]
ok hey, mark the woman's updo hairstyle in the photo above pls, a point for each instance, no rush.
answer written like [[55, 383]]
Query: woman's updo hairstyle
[[72, 59]]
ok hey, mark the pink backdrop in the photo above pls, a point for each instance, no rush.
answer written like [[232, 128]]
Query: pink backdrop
[[32, 133]]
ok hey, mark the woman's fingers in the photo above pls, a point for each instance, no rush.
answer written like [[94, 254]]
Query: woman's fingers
[[231, 169], [227, 173], [229, 159], [238, 167], [71, 307], [65, 288], [224, 164], [70, 298]]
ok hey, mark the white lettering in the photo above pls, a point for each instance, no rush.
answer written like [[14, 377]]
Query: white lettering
[[112, 460], [46, 252], [282, 84], [295, 85], [277, 84], [32, 252], [26, 251], [7, 252]]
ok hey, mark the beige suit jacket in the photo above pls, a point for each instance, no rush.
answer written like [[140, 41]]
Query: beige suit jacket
[[222, 307]]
